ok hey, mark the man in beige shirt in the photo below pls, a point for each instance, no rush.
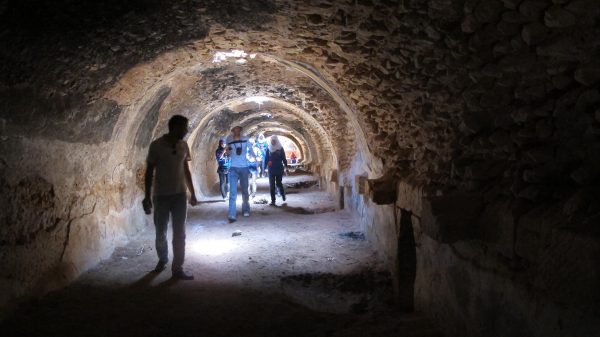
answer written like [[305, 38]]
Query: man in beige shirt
[[169, 158]]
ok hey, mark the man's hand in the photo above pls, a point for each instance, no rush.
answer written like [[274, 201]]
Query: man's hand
[[147, 204], [190, 184]]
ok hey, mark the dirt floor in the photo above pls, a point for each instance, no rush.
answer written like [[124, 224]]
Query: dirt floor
[[298, 269]]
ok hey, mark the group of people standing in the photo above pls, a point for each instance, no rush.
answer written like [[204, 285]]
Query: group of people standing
[[243, 159], [168, 175]]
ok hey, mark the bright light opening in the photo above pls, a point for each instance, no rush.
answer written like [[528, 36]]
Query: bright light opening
[[213, 247], [257, 99], [238, 54], [292, 153]]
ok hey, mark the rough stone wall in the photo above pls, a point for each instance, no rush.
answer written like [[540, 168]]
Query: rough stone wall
[[62, 212], [521, 253], [507, 242], [470, 285]]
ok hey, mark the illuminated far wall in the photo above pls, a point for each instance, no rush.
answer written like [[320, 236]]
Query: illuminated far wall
[[289, 146]]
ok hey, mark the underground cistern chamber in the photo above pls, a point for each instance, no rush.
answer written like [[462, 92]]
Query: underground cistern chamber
[[440, 178]]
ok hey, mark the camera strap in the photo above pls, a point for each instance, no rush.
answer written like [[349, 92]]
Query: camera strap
[[238, 150]]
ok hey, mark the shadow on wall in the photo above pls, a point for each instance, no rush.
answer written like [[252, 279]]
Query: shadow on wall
[[407, 262]]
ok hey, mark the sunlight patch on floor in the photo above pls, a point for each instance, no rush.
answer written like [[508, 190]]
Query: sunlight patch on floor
[[213, 247]]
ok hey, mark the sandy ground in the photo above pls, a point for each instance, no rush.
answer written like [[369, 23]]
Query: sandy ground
[[254, 284]]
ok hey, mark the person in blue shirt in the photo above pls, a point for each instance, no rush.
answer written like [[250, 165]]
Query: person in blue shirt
[[253, 167], [276, 164], [237, 149], [259, 152], [223, 170], [261, 141]]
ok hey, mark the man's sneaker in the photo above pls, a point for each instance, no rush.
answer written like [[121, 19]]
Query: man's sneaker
[[231, 220], [272, 203], [246, 214], [181, 275], [160, 266]]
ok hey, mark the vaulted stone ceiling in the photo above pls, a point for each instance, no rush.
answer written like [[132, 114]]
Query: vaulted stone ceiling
[[426, 81]]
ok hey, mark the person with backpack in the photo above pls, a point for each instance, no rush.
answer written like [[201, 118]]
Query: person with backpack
[[260, 155], [263, 146], [253, 164], [276, 164], [223, 162]]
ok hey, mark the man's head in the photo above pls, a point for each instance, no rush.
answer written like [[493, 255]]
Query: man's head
[[236, 130], [222, 143], [178, 126]]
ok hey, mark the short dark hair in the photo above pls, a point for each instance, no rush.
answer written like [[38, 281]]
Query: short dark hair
[[177, 120]]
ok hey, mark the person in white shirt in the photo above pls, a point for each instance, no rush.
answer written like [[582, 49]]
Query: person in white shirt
[[238, 148], [169, 157]]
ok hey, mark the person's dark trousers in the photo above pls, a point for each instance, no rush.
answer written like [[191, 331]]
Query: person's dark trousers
[[223, 183], [174, 206], [275, 180]]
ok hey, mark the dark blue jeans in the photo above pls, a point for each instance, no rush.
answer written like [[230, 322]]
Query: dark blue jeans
[[223, 182], [241, 174]]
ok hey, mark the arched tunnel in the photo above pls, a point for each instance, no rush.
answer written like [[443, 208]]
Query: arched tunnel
[[450, 148]]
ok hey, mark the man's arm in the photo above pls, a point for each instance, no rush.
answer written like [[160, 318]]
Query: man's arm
[[148, 180], [189, 183], [220, 154], [148, 177]]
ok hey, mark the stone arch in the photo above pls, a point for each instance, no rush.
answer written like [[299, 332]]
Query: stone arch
[[134, 112]]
